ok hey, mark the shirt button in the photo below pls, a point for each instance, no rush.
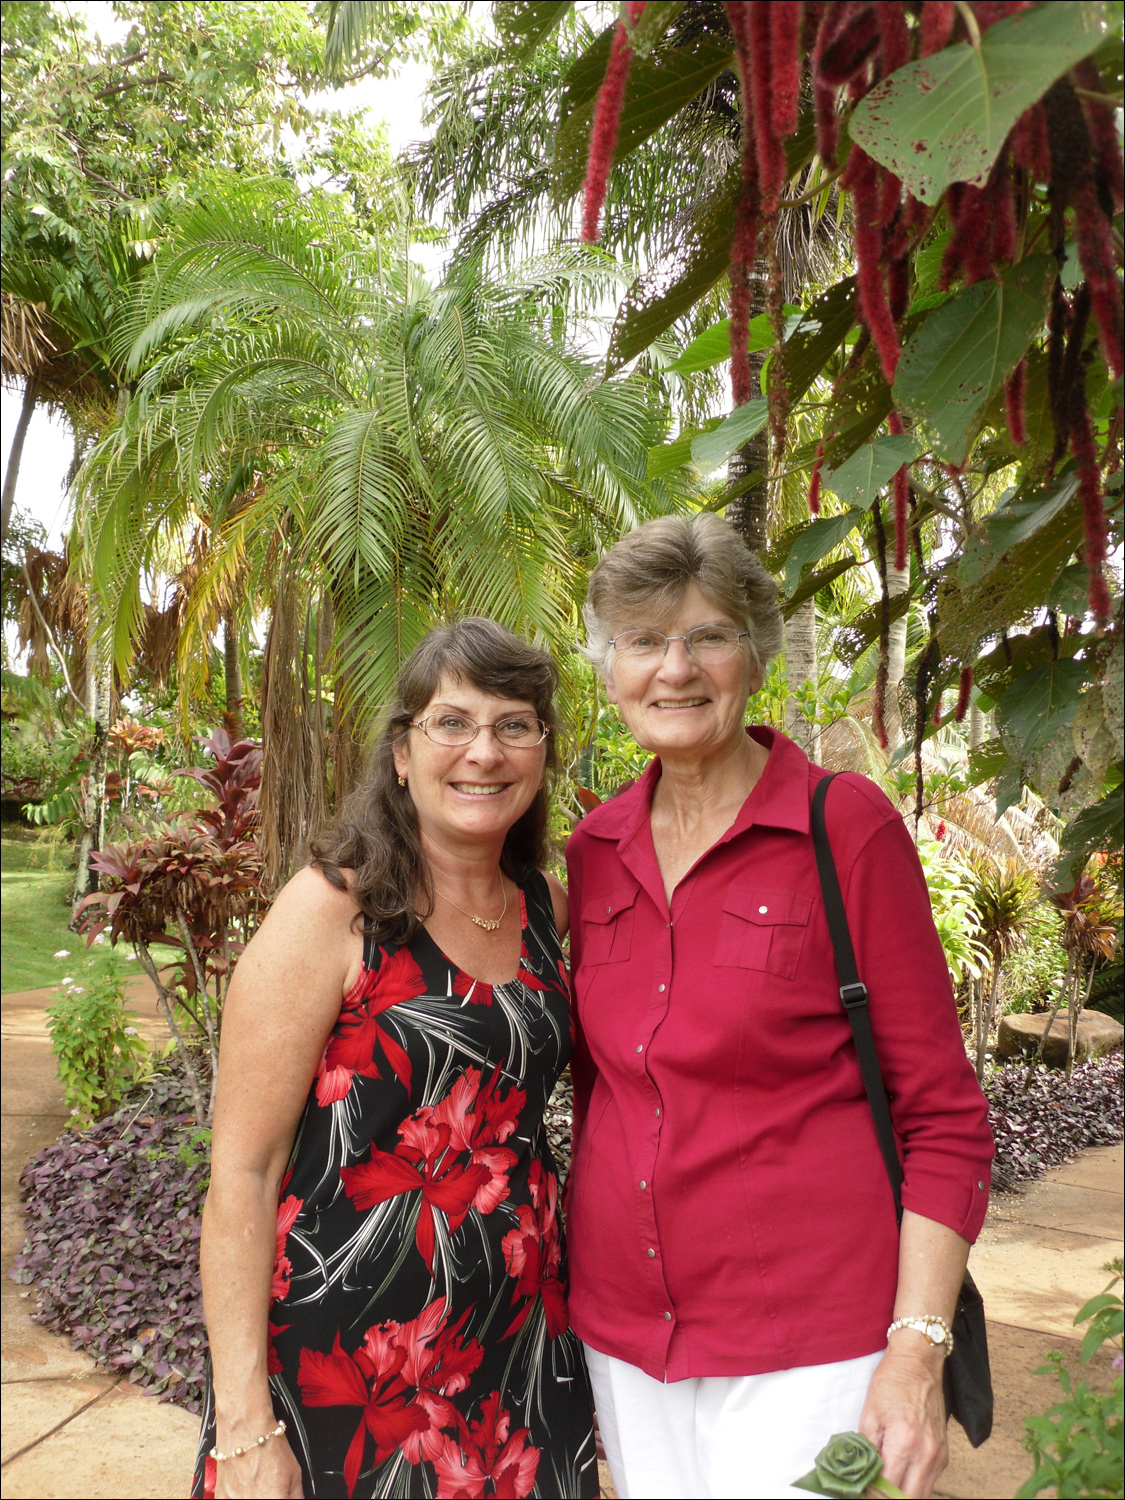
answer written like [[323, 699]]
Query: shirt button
[[640, 1049], [660, 989], [981, 1186], [652, 1255], [644, 1184], [656, 1111], [667, 1317], [608, 910], [762, 910]]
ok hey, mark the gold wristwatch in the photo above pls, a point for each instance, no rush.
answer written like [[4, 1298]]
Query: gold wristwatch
[[937, 1330]]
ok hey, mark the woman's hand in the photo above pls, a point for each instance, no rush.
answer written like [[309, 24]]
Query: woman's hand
[[904, 1415], [266, 1473]]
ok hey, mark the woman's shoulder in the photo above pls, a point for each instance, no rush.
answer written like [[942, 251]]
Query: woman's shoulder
[[313, 897], [855, 809]]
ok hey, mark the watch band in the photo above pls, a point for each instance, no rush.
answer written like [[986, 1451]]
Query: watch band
[[936, 1329]]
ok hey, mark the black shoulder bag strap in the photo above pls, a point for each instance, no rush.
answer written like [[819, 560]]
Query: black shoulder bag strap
[[968, 1380], [853, 993]]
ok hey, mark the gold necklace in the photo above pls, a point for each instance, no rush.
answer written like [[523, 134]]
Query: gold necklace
[[490, 924]]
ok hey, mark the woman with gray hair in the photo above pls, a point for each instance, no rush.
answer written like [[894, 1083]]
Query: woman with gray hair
[[738, 1277]]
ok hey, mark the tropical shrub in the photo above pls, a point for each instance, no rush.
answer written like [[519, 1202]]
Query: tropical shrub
[[113, 1216], [1077, 1445], [950, 886], [97, 1045], [1034, 972], [197, 886], [1044, 1119]]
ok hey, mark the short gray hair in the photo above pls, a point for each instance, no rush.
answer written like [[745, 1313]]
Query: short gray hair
[[649, 570]]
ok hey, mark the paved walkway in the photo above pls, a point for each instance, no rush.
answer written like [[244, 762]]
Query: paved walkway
[[70, 1430]]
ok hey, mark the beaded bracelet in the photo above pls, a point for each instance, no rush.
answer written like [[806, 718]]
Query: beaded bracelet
[[936, 1329], [257, 1443]]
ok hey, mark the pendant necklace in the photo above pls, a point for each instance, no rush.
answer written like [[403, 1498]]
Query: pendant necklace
[[489, 924]]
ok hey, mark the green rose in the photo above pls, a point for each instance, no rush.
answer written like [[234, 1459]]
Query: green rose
[[848, 1465]]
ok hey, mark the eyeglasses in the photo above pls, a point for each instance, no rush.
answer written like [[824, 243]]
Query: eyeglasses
[[517, 732], [706, 643]]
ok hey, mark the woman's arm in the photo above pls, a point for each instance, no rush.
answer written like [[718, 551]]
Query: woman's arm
[[284, 999], [558, 902], [904, 1414]]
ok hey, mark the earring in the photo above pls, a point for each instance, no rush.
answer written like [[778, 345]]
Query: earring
[[402, 781]]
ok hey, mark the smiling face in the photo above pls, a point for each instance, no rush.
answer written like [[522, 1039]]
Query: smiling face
[[673, 705], [469, 794]]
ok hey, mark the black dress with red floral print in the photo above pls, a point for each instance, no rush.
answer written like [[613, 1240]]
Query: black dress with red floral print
[[419, 1338]]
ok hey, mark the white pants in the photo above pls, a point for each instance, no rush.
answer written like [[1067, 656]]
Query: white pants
[[737, 1436]]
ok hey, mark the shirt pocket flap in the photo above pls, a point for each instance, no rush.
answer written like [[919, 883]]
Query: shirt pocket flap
[[768, 907], [609, 904]]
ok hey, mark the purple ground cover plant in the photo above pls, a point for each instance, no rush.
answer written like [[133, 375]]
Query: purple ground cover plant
[[1044, 1121], [113, 1240]]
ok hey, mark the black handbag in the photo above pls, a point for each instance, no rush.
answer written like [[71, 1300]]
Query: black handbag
[[967, 1379]]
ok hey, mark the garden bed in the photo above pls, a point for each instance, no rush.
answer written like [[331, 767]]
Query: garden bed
[[113, 1211]]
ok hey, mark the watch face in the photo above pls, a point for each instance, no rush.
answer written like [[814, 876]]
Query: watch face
[[934, 1334]]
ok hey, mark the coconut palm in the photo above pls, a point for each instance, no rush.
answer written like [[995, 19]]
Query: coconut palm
[[369, 453]]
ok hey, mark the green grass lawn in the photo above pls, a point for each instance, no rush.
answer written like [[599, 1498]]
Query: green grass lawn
[[34, 911]]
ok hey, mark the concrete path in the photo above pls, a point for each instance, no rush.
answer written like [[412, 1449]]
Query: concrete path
[[70, 1430]]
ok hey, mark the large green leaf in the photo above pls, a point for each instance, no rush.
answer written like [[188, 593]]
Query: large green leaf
[[1096, 827], [712, 346], [966, 349], [809, 587], [1019, 580], [1039, 702], [666, 458], [859, 479], [658, 87], [816, 541], [522, 24], [822, 330], [1011, 523], [694, 264], [652, 24], [710, 449], [944, 118]]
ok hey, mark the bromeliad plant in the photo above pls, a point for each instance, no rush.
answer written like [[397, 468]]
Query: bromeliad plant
[[196, 886], [1089, 935]]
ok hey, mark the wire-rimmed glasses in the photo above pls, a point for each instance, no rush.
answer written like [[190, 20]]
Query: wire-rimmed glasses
[[515, 731], [704, 644]]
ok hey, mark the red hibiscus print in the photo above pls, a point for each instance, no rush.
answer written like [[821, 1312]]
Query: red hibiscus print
[[437, 1364], [287, 1211], [533, 1254], [476, 991], [422, 1159], [273, 1359], [370, 1379], [352, 1045], [485, 1460], [479, 1120], [210, 1477]]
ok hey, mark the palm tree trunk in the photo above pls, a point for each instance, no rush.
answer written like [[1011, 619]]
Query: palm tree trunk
[[978, 726], [749, 512], [898, 581], [99, 684], [801, 667], [232, 678], [11, 473]]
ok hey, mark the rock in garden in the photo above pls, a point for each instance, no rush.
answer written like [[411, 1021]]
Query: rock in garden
[[1020, 1035]]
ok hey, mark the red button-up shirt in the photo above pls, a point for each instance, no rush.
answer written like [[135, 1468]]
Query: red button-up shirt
[[729, 1211]]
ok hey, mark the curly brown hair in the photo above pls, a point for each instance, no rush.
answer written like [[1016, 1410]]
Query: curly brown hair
[[376, 833]]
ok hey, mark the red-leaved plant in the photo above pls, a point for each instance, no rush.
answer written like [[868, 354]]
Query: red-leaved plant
[[197, 886]]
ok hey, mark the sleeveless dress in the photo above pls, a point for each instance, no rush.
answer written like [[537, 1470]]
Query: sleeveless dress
[[418, 1327]]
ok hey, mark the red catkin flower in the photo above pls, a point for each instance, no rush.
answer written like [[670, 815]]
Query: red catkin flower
[[970, 245], [988, 12], [744, 242], [1100, 119], [1015, 394], [824, 92], [855, 39], [861, 178], [607, 117], [1085, 452], [894, 37], [815, 481], [938, 17], [1029, 143], [785, 60], [937, 713], [771, 149], [1095, 251], [900, 491], [964, 691], [1004, 229]]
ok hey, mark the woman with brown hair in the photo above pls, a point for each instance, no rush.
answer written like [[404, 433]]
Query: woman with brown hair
[[383, 1268]]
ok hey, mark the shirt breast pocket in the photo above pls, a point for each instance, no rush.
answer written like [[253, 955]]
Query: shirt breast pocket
[[762, 928], [607, 925]]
